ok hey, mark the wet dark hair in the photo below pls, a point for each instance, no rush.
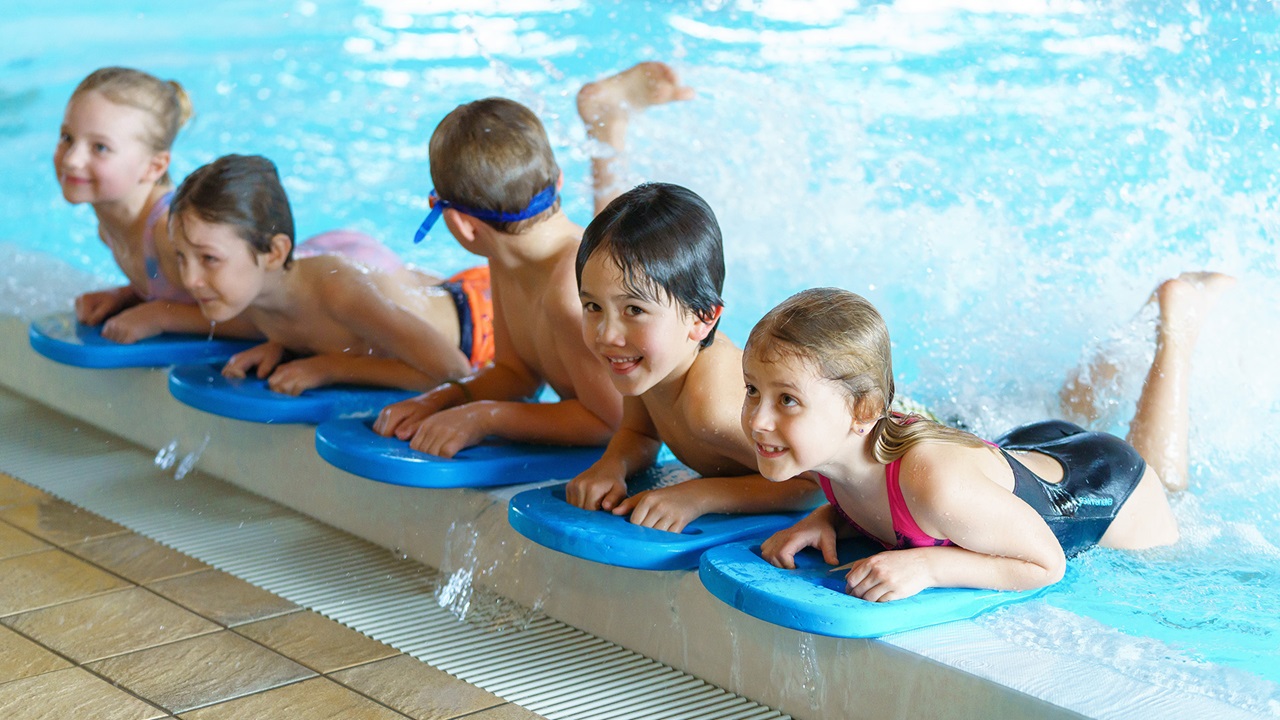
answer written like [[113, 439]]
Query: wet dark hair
[[242, 191], [666, 241]]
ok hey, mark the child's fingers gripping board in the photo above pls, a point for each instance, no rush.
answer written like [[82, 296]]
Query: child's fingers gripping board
[[811, 598], [546, 517], [204, 388], [61, 338], [352, 445]]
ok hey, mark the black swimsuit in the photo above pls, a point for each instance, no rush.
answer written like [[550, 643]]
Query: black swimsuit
[[1100, 471]]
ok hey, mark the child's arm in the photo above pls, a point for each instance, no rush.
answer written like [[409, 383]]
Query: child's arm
[[357, 304], [590, 418], [1001, 543], [295, 376], [94, 307], [672, 508], [163, 316], [507, 378], [632, 449]]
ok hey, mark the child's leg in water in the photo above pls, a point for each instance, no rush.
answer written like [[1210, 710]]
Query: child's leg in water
[[606, 106], [1161, 425]]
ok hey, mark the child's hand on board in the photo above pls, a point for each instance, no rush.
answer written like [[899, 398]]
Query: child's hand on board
[[596, 490], [92, 308], [890, 575], [403, 419], [669, 508], [448, 432], [264, 357], [136, 323], [296, 376], [816, 530]]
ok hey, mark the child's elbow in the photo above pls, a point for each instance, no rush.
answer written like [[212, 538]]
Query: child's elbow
[[1053, 570]]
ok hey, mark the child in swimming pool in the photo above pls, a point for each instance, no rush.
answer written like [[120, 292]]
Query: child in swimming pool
[[497, 190], [950, 509], [341, 300], [113, 153], [650, 272]]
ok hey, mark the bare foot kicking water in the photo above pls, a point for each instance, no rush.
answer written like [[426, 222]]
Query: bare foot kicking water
[[605, 107], [1161, 426], [1185, 302], [606, 102]]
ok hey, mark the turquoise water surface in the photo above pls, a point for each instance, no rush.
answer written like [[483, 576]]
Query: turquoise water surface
[[1007, 180]]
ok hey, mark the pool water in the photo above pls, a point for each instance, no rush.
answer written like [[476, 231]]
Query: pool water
[[1007, 180]]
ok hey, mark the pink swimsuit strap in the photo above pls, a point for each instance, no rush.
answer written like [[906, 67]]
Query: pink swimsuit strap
[[158, 286], [904, 525], [906, 530]]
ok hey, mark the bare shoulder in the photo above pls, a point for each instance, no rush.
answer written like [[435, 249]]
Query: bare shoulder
[[714, 389], [336, 283], [936, 470]]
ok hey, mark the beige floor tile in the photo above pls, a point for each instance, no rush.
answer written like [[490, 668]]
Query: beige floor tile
[[416, 689], [58, 522], [70, 693], [316, 641], [200, 671], [21, 658], [110, 624], [222, 598], [506, 712], [13, 491], [14, 542], [316, 699], [137, 558], [51, 576]]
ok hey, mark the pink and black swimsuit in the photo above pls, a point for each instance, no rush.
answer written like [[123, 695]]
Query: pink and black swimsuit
[[1100, 471]]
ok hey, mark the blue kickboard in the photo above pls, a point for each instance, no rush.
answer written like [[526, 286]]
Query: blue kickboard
[[352, 445], [61, 338], [545, 517], [203, 387], [811, 598]]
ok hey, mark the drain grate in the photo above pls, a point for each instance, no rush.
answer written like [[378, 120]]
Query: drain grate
[[521, 656]]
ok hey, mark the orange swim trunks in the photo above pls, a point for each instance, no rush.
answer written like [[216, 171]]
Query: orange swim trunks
[[474, 298]]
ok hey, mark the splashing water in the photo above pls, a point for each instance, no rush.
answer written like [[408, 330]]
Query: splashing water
[[189, 460], [167, 455]]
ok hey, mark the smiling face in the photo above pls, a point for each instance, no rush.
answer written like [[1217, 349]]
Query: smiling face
[[644, 341], [797, 420], [101, 156], [219, 269]]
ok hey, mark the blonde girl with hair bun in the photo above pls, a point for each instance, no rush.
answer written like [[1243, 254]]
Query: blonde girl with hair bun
[[953, 510], [113, 153]]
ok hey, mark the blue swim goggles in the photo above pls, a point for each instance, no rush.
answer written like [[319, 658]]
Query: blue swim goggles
[[539, 203]]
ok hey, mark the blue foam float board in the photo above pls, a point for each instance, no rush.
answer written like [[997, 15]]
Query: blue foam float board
[[353, 446], [545, 517], [61, 338], [811, 598], [203, 387]]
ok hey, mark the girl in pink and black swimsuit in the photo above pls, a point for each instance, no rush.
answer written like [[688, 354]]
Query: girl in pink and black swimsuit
[[953, 510]]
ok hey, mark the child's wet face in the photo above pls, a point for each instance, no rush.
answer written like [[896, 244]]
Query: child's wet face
[[797, 420], [644, 342], [101, 156], [218, 267]]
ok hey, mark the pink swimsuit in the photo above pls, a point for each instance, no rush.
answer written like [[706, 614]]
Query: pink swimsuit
[[905, 528], [158, 286]]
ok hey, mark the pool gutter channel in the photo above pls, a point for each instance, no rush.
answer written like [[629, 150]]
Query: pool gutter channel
[[536, 662], [686, 641]]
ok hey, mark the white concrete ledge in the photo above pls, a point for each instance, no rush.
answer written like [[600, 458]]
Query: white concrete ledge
[[668, 616]]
